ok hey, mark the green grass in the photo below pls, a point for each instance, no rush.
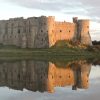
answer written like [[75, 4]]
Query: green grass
[[53, 53]]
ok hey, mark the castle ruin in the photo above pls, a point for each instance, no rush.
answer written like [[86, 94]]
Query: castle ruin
[[42, 32]]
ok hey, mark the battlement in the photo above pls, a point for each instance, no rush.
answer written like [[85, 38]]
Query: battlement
[[18, 18]]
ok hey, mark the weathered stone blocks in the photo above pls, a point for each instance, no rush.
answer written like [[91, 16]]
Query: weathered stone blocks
[[42, 32]]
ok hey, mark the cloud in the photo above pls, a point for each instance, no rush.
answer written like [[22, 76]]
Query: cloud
[[39, 4], [54, 5], [93, 7], [77, 7]]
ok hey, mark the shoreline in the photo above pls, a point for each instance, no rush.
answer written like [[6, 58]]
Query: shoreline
[[45, 54]]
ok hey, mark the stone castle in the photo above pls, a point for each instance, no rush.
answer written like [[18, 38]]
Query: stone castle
[[44, 76], [42, 32]]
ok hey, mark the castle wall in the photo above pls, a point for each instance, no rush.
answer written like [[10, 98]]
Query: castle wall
[[13, 33], [41, 39], [2, 31], [51, 30], [32, 26], [42, 32], [64, 31]]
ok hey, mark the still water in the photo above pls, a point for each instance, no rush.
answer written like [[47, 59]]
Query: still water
[[42, 80]]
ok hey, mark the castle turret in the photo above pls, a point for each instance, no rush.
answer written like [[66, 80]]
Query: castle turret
[[83, 32], [75, 19]]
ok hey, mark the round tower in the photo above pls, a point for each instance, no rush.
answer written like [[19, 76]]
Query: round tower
[[83, 32]]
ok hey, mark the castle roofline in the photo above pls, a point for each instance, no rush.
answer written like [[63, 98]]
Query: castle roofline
[[83, 20]]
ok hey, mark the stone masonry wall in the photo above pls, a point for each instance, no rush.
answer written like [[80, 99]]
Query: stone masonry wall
[[42, 32]]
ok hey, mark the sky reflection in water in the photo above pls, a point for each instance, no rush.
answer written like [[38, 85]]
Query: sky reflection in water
[[55, 81]]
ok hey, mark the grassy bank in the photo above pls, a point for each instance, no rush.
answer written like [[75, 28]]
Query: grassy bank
[[54, 53]]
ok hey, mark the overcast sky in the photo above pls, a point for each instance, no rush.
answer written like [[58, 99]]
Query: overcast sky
[[61, 9]]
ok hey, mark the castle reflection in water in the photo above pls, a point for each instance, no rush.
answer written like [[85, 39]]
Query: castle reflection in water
[[44, 76]]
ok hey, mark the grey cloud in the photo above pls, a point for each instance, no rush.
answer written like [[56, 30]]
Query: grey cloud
[[78, 7], [45, 4], [93, 3], [94, 10]]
